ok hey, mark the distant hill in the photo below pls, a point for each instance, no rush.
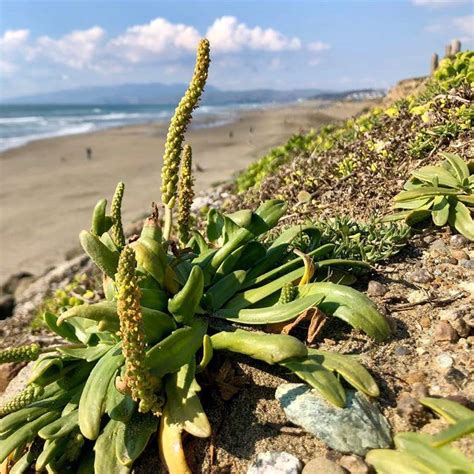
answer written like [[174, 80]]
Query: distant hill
[[166, 94]]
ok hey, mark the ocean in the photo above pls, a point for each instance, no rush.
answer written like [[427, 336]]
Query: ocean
[[20, 124]]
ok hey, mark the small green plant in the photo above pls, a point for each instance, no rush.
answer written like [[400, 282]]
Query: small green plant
[[456, 70], [445, 193], [129, 368], [370, 242], [421, 453], [82, 289], [346, 166]]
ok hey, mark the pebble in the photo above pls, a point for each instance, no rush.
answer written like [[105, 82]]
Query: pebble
[[445, 332], [425, 322], [461, 327], [358, 427], [376, 288], [420, 276], [450, 314], [439, 248], [321, 465], [409, 408], [354, 464], [429, 239], [458, 241], [469, 320], [275, 463], [460, 255], [415, 377], [469, 264], [401, 351], [455, 376], [445, 361], [416, 296]]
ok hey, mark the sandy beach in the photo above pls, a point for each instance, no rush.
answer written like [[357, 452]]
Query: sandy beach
[[49, 187]]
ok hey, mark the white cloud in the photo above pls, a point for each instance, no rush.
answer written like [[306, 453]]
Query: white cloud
[[13, 39], [76, 49], [461, 25], [226, 34], [437, 3], [156, 38], [318, 46]]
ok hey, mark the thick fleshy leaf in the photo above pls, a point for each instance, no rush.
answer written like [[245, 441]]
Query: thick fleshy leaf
[[345, 365], [388, 461], [460, 218], [417, 216], [424, 191], [449, 410], [319, 378], [454, 432], [279, 313], [469, 199], [441, 460], [413, 203], [458, 165], [184, 406], [349, 305], [440, 211], [271, 348], [445, 178]]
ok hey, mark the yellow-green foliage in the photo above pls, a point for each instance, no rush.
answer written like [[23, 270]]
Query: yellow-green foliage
[[257, 171], [439, 121], [455, 71], [79, 291]]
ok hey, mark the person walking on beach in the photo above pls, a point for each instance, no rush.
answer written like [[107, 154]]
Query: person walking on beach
[[89, 153]]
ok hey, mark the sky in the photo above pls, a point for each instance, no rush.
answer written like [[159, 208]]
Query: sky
[[333, 44]]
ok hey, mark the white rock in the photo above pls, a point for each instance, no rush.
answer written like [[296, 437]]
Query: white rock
[[275, 463], [445, 361]]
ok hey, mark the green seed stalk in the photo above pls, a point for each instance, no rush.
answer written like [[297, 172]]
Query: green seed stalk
[[19, 354], [117, 230], [185, 195], [137, 377], [30, 394], [176, 131]]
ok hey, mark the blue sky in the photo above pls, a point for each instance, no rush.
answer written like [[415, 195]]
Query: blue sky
[[50, 45]]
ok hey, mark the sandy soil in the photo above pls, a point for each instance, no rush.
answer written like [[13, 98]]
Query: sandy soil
[[49, 187]]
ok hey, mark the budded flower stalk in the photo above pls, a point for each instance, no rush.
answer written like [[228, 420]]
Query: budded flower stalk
[[117, 230], [185, 195], [138, 379], [19, 354], [176, 131], [21, 400]]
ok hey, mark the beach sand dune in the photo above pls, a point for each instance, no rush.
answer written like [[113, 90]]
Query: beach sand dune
[[49, 187]]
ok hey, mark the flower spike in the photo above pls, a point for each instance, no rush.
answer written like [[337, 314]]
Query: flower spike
[[137, 377], [174, 139]]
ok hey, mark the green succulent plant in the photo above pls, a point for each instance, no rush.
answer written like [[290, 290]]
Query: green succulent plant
[[420, 453], [370, 242], [129, 367], [443, 193]]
